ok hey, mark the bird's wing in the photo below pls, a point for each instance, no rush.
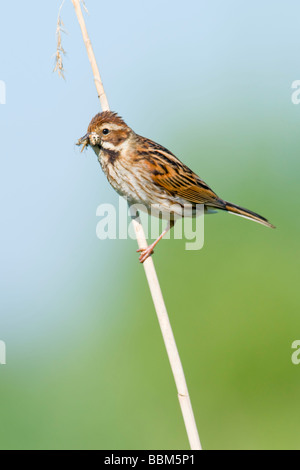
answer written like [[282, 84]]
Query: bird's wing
[[169, 173]]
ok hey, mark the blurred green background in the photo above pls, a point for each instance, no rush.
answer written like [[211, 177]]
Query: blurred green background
[[86, 366]]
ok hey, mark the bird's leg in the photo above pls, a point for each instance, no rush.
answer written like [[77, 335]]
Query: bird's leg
[[146, 252]]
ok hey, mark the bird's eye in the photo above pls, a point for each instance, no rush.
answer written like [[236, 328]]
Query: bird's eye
[[105, 131]]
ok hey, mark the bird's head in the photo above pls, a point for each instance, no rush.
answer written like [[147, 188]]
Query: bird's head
[[107, 130]]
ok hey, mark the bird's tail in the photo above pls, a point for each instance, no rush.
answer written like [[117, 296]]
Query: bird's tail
[[237, 210]]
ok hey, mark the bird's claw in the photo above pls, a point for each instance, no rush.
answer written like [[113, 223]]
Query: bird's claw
[[145, 253]]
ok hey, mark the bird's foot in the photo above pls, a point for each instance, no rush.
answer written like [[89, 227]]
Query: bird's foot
[[145, 253]]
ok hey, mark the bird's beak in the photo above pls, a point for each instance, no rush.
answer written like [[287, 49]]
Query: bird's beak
[[84, 141]]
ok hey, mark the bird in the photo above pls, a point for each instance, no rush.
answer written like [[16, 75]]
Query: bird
[[146, 173]]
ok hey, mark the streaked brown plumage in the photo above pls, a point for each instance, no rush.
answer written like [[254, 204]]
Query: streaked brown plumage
[[146, 173]]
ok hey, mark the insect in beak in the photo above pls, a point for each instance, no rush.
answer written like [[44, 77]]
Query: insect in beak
[[84, 141]]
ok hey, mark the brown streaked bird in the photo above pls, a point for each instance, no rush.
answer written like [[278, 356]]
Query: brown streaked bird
[[146, 173]]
